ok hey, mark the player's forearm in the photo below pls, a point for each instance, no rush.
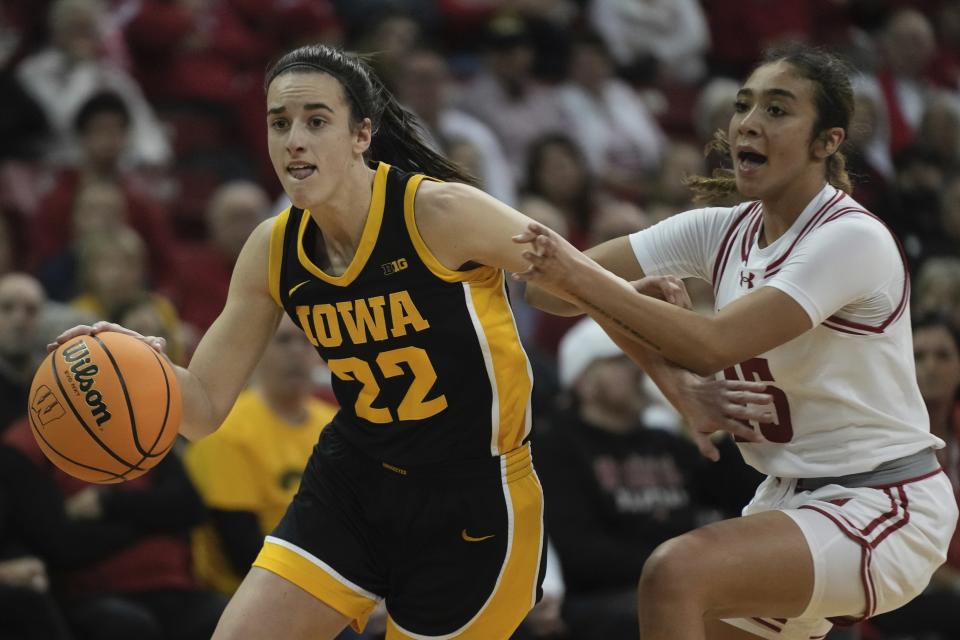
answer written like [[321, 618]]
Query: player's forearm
[[537, 297], [681, 336], [668, 377]]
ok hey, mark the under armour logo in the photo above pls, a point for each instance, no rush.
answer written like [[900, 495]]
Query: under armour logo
[[746, 279]]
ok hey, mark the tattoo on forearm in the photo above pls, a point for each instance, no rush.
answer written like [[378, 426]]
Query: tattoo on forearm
[[630, 331]]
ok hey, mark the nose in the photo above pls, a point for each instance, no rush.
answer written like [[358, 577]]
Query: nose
[[296, 137], [748, 125]]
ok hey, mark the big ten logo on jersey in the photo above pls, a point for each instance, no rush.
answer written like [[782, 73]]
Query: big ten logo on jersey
[[377, 318], [393, 266]]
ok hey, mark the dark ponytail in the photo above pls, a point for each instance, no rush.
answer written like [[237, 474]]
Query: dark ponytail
[[397, 137]]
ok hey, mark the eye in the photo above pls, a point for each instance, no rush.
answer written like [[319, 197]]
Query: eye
[[317, 122], [776, 111], [279, 124], [740, 106]]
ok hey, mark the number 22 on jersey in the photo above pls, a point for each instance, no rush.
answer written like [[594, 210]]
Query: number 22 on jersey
[[413, 406], [758, 370]]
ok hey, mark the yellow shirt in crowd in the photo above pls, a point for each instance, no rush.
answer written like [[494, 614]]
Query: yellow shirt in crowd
[[252, 463]]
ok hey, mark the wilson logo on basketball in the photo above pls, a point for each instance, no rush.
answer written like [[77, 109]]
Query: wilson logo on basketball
[[77, 356], [45, 406]]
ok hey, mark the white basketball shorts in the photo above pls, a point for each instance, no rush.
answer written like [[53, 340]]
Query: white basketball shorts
[[874, 549]]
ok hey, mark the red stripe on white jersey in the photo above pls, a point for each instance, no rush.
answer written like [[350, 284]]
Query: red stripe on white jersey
[[807, 228], [727, 245]]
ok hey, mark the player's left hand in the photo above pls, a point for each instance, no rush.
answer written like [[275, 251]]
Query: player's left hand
[[667, 288], [555, 264]]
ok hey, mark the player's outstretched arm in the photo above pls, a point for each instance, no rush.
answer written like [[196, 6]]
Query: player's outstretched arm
[[614, 255], [229, 350], [752, 325]]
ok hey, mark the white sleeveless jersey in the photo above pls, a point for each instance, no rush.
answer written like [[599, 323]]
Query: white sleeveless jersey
[[845, 391]]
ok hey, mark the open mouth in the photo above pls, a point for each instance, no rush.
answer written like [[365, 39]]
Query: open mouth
[[749, 160], [301, 170]]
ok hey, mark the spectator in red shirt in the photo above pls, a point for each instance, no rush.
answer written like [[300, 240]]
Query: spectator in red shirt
[[203, 271], [120, 553], [102, 125]]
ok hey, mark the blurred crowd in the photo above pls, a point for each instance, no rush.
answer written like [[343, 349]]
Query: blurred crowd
[[133, 165]]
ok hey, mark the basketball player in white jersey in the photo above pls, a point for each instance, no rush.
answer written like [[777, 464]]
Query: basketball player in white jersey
[[811, 297]]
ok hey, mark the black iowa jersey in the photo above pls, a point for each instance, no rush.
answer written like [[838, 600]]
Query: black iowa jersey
[[426, 362]]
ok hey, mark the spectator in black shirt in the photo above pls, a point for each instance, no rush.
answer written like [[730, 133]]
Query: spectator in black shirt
[[614, 488]]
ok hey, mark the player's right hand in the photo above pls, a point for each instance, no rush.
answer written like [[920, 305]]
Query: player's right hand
[[709, 406], [154, 342]]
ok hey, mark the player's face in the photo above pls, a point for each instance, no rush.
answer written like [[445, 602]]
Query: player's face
[[770, 132], [311, 136], [938, 363], [21, 300]]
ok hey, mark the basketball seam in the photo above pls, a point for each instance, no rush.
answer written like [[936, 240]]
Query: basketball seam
[[166, 410], [126, 398], [66, 398], [166, 415]]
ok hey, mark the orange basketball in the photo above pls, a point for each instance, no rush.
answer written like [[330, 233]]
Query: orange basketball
[[105, 408]]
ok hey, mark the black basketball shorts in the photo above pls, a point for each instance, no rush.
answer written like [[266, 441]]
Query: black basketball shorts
[[456, 550]]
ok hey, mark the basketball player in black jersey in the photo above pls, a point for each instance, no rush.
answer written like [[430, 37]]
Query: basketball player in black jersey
[[421, 491]]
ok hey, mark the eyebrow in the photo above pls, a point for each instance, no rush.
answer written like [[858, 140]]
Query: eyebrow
[[310, 106], [769, 92]]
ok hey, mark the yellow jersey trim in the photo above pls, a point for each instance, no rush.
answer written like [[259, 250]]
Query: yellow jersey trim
[[313, 578], [368, 239], [436, 267], [276, 255]]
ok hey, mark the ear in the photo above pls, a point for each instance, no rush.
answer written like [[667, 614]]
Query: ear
[[828, 142], [362, 136]]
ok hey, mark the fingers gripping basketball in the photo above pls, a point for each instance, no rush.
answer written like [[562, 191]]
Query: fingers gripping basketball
[[105, 408]]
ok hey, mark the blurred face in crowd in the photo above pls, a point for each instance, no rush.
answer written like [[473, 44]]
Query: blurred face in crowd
[[560, 174], [287, 364], [770, 134], [98, 208], [105, 138], [114, 269], [590, 66], [863, 125], [395, 36], [75, 28], [467, 156], [940, 129], [616, 218], [21, 301], [680, 160], [312, 138], [512, 64], [910, 42], [234, 212], [614, 386], [424, 84], [937, 356]]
